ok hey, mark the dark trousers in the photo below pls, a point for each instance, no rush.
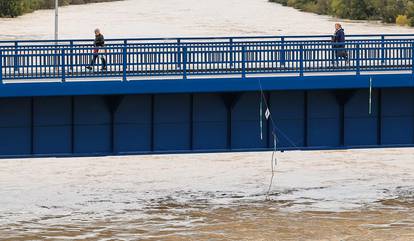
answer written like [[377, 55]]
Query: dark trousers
[[340, 52], [95, 57]]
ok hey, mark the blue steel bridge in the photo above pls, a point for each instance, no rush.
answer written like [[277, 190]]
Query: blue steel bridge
[[162, 95]]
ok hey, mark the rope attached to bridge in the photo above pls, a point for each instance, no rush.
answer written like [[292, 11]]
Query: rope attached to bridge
[[268, 115]]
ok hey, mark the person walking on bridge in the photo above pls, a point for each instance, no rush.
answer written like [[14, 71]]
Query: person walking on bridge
[[338, 40], [98, 43]]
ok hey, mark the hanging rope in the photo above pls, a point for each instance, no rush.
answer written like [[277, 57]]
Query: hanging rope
[[268, 115]]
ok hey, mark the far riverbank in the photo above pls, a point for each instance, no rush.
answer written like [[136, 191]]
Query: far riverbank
[[14, 8]]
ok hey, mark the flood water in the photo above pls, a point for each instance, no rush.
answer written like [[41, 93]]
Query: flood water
[[319, 195], [173, 18]]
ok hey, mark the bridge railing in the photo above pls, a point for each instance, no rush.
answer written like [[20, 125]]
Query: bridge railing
[[61, 63], [201, 40]]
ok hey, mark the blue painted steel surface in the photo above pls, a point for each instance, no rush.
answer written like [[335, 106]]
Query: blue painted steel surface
[[202, 94], [166, 122]]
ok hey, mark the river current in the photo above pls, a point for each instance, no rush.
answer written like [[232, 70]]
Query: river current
[[318, 195]]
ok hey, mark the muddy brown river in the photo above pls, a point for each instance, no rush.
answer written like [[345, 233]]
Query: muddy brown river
[[318, 195]]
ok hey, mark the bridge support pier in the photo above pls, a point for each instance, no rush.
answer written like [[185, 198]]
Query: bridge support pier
[[230, 100], [113, 102], [342, 98]]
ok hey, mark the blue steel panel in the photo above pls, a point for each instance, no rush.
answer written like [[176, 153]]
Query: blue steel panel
[[323, 122], [210, 136], [288, 112], [134, 109], [132, 138], [15, 131], [92, 129], [397, 130], [15, 112], [133, 124], [398, 102], [92, 139], [287, 104], [91, 110], [360, 131], [210, 122], [172, 122], [290, 133], [360, 126], [52, 125], [358, 105], [15, 141], [398, 116], [52, 140], [172, 137], [245, 123], [52, 111]]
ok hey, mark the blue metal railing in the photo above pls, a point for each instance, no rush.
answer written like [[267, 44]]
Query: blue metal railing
[[185, 57]]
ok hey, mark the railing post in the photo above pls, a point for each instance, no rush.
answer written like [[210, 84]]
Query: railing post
[[243, 62], [382, 49], [71, 54], [282, 51], [231, 52], [412, 58], [358, 60], [16, 57], [63, 65], [301, 61], [179, 53], [184, 62], [124, 63], [1, 67]]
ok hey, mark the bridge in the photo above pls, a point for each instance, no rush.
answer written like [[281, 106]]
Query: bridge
[[205, 94]]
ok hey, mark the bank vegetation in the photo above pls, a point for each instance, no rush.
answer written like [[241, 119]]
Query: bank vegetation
[[388, 11], [14, 8]]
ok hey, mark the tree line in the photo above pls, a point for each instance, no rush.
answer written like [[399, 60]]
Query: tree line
[[388, 11], [14, 8]]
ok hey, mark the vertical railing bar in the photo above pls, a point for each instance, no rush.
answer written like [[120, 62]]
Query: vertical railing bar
[[282, 52], [243, 61], [63, 65], [412, 59], [71, 54], [16, 56], [184, 63], [382, 49], [301, 60], [124, 63], [231, 52], [179, 53], [358, 60]]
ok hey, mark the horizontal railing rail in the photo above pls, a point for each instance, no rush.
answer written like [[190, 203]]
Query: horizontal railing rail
[[183, 60], [210, 39]]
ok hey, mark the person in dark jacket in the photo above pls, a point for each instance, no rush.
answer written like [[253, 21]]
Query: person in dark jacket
[[339, 43], [98, 43]]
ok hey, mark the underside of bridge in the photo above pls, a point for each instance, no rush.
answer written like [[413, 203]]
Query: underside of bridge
[[204, 122]]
